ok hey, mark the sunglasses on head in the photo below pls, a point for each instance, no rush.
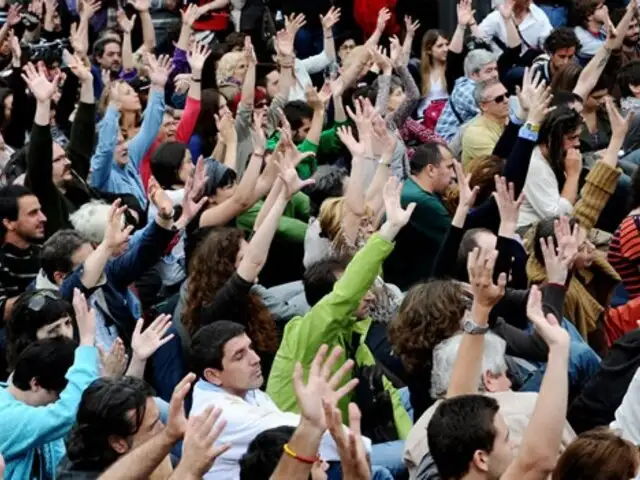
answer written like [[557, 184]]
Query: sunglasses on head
[[39, 299]]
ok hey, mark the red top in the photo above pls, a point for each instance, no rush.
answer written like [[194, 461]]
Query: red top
[[624, 254], [183, 134]]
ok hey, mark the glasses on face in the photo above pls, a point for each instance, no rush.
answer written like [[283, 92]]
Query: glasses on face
[[39, 299], [261, 104], [501, 98]]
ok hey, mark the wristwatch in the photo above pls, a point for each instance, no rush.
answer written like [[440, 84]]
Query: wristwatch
[[471, 327]]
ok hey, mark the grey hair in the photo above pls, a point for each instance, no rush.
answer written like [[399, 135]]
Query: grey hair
[[481, 88], [91, 220], [445, 353], [476, 60]]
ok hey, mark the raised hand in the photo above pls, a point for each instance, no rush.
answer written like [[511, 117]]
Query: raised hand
[[16, 50], [384, 15], [396, 215], [125, 23], [395, 52], [381, 59], [286, 166], [193, 200], [197, 56], [480, 265], [37, 82], [190, 15], [411, 26], [321, 385], [573, 162], [36, 7], [541, 98], [159, 69], [77, 66], [177, 421], [114, 362], [467, 194], [89, 9], [506, 9], [558, 261], [144, 344], [159, 198], [508, 205], [249, 52], [284, 43], [547, 327], [226, 127], [466, 15], [314, 99], [258, 134], [353, 456], [85, 318], [114, 235], [294, 22], [199, 451], [357, 149], [619, 124], [13, 15], [331, 18]]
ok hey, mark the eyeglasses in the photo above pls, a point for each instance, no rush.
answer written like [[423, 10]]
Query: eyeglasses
[[39, 299], [501, 98]]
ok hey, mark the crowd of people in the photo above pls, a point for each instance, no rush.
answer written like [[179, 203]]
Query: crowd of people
[[291, 240]]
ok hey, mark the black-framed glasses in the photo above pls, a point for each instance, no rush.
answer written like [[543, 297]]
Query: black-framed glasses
[[501, 98], [37, 301]]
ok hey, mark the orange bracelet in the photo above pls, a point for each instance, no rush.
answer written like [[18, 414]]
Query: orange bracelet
[[292, 454]]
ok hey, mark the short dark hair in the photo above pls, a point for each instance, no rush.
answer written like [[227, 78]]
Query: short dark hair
[[47, 361], [56, 252], [101, 45], [166, 161], [207, 346], [458, 428], [544, 229], [426, 154], [104, 411], [467, 244], [628, 75], [320, 277], [564, 98], [296, 112], [264, 452], [329, 183], [9, 203], [24, 322], [559, 38], [581, 11]]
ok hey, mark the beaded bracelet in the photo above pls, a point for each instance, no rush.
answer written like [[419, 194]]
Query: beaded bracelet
[[300, 458]]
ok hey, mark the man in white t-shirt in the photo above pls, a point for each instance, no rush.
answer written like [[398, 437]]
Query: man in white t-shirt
[[230, 378]]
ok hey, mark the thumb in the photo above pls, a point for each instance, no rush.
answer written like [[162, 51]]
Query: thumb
[[410, 208]]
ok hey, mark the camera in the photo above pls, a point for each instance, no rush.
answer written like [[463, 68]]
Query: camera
[[49, 52]]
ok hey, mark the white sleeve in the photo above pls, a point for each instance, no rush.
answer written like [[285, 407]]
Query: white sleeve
[[545, 30], [316, 63], [627, 416], [489, 27], [542, 192]]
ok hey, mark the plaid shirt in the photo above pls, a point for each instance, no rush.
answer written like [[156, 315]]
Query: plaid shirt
[[465, 104]]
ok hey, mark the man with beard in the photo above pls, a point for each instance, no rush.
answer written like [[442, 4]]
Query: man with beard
[[22, 225], [630, 47]]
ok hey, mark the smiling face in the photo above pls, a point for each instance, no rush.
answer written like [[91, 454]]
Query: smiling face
[[31, 221]]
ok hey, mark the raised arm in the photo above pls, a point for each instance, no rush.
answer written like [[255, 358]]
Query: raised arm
[[373, 197], [317, 122], [539, 449], [249, 85], [148, 32], [506, 12], [159, 70], [412, 93], [328, 21], [126, 24], [486, 294], [187, 123], [384, 15], [108, 131]]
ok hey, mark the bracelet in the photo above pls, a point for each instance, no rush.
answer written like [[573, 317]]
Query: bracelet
[[257, 154], [328, 37], [196, 80], [300, 458], [534, 127]]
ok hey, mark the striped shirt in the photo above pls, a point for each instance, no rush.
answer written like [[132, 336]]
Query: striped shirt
[[18, 268], [624, 254]]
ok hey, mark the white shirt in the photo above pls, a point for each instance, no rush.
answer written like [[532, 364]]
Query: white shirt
[[303, 71], [627, 416], [246, 418], [541, 193], [535, 28], [437, 91]]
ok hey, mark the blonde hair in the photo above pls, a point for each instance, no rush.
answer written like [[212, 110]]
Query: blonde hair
[[330, 219], [226, 65]]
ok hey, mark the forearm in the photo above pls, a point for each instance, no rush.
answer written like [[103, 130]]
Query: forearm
[[136, 367], [339, 115], [43, 113], [258, 249], [374, 193], [591, 73], [127, 53], [183, 39], [329, 45], [541, 440], [305, 442], [317, 123], [355, 194], [513, 39], [382, 98], [610, 156], [457, 41], [140, 462], [245, 190], [249, 86], [268, 204], [148, 32], [4, 32], [374, 39], [86, 92], [219, 151], [468, 364], [286, 76], [231, 155], [570, 189], [94, 266]]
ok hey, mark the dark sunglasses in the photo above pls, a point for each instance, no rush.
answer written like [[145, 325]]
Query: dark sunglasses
[[39, 299], [501, 98]]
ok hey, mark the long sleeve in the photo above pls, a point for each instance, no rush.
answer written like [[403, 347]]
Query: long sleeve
[[444, 264], [599, 185], [188, 121], [140, 144], [412, 97], [454, 69], [22, 112], [102, 160], [316, 63], [542, 192], [25, 428], [627, 416], [226, 301], [82, 140]]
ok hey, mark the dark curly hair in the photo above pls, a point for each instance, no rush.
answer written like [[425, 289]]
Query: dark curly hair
[[430, 313], [211, 265], [559, 38]]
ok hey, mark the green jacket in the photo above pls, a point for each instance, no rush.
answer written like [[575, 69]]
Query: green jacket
[[293, 223], [332, 321], [329, 143]]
